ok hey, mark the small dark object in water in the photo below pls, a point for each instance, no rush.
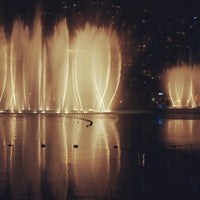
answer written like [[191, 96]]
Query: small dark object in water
[[43, 145], [10, 145], [115, 146], [76, 146]]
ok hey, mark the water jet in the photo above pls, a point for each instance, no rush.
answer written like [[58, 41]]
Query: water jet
[[182, 86], [60, 72]]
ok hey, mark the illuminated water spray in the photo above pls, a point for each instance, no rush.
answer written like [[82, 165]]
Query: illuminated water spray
[[59, 72], [182, 85]]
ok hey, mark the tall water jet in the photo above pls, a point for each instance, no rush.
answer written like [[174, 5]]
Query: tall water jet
[[20, 64], [3, 62], [59, 72], [56, 68], [182, 86], [96, 67]]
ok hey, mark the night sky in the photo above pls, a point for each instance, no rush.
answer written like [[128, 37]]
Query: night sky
[[13, 7]]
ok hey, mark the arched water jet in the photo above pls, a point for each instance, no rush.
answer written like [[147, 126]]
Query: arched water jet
[[182, 86], [97, 57]]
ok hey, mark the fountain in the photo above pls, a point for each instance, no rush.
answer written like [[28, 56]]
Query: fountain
[[182, 86], [59, 73]]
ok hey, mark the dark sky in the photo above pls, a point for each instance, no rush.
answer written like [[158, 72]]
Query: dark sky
[[184, 6], [179, 7], [11, 8]]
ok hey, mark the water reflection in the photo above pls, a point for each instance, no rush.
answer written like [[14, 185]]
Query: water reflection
[[157, 160], [116, 157], [58, 170], [182, 133]]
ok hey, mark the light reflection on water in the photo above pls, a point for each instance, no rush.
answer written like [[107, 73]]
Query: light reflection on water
[[118, 157], [58, 170], [182, 133]]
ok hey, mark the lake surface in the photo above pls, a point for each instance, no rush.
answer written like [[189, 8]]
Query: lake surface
[[99, 156]]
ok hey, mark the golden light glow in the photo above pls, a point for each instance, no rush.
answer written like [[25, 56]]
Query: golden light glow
[[59, 72], [181, 132], [182, 86], [59, 163]]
